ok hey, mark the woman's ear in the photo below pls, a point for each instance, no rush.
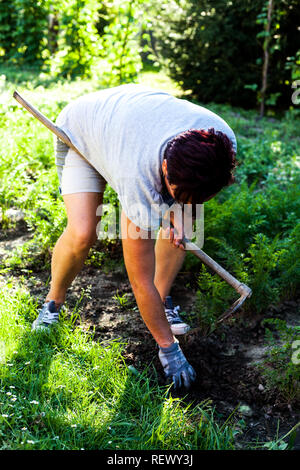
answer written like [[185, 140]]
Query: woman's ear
[[164, 167]]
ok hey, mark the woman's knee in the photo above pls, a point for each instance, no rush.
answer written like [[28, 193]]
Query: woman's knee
[[82, 219], [81, 238]]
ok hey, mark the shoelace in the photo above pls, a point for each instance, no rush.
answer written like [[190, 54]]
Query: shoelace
[[173, 312], [51, 316]]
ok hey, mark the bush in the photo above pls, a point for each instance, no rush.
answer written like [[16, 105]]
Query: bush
[[120, 44], [58, 36], [214, 49], [280, 368], [24, 36], [77, 40]]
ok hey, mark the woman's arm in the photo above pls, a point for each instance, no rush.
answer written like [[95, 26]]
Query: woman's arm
[[139, 259], [139, 256]]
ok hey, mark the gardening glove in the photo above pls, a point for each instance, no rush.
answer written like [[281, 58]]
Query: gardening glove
[[176, 366]]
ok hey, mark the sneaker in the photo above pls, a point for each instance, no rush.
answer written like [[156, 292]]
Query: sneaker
[[178, 326], [48, 316]]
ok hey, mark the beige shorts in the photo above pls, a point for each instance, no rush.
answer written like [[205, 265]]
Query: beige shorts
[[75, 174]]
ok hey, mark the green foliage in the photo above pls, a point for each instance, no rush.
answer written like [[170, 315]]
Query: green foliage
[[29, 179], [279, 443], [258, 268], [213, 295], [24, 28], [95, 258], [120, 44], [280, 368], [7, 29], [60, 37], [123, 300], [252, 228], [289, 263], [78, 41], [260, 264], [201, 47]]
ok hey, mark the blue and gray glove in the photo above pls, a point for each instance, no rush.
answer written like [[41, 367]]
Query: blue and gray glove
[[176, 367]]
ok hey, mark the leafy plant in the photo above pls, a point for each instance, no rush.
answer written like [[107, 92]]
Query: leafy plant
[[261, 267], [95, 258], [24, 28], [213, 295], [64, 390], [123, 300], [78, 41], [121, 45], [191, 47], [280, 368]]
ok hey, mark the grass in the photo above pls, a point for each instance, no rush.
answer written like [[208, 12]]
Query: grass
[[63, 390]]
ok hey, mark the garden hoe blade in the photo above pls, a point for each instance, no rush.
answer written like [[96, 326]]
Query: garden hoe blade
[[241, 288]]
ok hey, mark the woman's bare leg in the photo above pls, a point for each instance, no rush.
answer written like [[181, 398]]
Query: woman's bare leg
[[168, 261], [73, 245]]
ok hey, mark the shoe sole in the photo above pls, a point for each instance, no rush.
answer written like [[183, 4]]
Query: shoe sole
[[41, 327], [179, 329]]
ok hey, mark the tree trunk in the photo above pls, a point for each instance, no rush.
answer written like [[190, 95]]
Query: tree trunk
[[266, 59]]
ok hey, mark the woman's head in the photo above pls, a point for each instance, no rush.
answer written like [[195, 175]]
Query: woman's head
[[198, 164]]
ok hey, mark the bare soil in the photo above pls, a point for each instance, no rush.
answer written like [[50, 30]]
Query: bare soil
[[224, 361]]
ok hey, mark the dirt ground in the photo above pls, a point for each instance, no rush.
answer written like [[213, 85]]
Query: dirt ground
[[224, 361]]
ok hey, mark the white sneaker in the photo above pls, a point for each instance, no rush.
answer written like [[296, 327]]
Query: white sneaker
[[178, 326], [48, 316]]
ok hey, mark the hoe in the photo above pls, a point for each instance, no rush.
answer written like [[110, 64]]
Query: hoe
[[243, 290]]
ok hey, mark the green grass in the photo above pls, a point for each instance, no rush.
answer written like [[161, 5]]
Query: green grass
[[63, 390]]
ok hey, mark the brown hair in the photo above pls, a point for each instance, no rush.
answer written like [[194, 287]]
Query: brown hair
[[200, 163]]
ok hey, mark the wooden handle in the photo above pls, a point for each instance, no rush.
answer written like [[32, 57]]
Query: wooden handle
[[44, 120], [237, 285]]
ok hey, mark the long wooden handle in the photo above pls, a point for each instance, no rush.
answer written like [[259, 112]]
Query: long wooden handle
[[237, 285], [47, 122]]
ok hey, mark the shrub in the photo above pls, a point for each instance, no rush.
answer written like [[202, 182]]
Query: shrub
[[120, 44], [77, 39], [280, 368], [201, 42], [24, 28]]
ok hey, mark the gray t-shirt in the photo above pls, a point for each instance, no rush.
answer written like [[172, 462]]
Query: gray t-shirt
[[123, 132]]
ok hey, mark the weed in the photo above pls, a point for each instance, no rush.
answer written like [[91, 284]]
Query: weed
[[123, 300], [280, 369]]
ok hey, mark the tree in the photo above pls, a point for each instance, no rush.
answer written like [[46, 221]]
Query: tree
[[214, 48], [266, 56], [23, 32], [121, 42]]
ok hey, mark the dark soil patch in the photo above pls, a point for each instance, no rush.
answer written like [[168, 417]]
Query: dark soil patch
[[224, 361]]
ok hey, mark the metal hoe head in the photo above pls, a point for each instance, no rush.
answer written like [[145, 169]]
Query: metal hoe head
[[241, 288], [236, 305]]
